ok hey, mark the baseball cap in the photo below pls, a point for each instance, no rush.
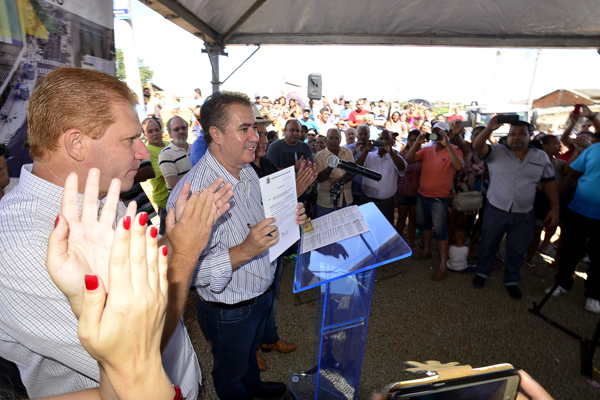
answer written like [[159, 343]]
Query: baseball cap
[[442, 125], [306, 109]]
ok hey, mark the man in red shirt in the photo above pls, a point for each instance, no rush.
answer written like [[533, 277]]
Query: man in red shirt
[[456, 115], [439, 164], [356, 117]]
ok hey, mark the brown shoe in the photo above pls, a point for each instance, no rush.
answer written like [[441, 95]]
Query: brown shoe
[[262, 365], [280, 346], [439, 275], [422, 256]]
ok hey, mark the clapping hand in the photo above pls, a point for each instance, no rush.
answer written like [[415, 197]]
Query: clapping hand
[[85, 248], [305, 177]]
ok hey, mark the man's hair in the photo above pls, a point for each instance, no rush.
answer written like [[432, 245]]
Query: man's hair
[[414, 132], [526, 124], [147, 120], [175, 117], [323, 110], [304, 128], [271, 135], [214, 110], [197, 90], [291, 120], [72, 98], [546, 139]]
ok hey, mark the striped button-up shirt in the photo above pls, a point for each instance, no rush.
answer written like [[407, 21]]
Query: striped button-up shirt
[[214, 278], [38, 330]]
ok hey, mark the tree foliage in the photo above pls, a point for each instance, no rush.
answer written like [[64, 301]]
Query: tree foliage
[[146, 73]]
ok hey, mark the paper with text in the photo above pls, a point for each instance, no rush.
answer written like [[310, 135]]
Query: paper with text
[[279, 201], [334, 227]]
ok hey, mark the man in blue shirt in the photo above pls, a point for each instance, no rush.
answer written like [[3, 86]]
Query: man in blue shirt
[[306, 121]]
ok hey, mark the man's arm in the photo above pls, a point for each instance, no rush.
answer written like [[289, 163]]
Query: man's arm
[[551, 191], [565, 138], [569, 181], [168, 169], [457, 162], [171, 180], [365, 151], [457, 138], [353, 121], [587, 113], [144, 173], [398, 160], [479, 144], [188, 231]]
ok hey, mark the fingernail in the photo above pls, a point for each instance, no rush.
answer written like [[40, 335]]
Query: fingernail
[[56, 222], [143, 218], [153, 232], [164, 251], [91, 282], [127, 223]]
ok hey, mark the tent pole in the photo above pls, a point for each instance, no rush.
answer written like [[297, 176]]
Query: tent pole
[[214, 51]]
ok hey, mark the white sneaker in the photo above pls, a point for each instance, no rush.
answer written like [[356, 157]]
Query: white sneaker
[[558, 291], [592, 305]]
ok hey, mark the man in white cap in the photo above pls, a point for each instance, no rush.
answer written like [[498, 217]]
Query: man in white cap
[[439, 164]]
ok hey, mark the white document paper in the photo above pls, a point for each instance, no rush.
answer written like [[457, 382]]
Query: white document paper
[[334, 227], [279, 201]]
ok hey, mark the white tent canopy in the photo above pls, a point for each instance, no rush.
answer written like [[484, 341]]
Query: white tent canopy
[[479, 23]]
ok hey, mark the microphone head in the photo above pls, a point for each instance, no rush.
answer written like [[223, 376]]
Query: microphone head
[[333, 161]]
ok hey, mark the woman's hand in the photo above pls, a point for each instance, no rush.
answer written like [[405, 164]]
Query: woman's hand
[[85, 247]]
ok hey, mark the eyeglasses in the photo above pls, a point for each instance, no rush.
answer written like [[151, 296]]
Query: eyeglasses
[[180, 129], [312, 134]]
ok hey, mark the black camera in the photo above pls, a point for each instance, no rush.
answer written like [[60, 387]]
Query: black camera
[[378, 143], [433, 136]]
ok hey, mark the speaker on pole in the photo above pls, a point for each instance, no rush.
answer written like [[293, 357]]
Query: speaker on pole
[[314, 86]]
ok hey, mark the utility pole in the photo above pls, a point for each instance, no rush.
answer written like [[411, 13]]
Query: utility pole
[[537, 61], [122, 11]]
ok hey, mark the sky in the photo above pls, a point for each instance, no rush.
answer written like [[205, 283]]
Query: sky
[[450, 74]]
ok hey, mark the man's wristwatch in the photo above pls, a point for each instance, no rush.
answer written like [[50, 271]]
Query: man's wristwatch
[[593, 116]]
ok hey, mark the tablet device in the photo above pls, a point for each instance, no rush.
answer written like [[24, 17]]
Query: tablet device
[[499, 385]]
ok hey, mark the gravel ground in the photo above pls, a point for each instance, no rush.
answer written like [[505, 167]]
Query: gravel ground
[[414, 318]]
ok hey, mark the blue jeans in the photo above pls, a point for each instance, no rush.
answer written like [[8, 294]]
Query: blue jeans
[[271, 336], [518, 227], [235, 335], [432, 213]]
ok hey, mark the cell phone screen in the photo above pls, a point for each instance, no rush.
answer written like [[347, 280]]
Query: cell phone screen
[[485, 391]]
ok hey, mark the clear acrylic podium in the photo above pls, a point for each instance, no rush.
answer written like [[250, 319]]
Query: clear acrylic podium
[[345, 274]]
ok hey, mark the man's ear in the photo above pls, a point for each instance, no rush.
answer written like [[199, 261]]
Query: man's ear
[[75, 143], [216, 135]]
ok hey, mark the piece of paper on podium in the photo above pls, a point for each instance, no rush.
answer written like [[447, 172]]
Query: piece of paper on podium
[[279, 201], [334, 227]]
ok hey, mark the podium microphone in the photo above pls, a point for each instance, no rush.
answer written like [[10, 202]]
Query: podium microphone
[[333, 161]]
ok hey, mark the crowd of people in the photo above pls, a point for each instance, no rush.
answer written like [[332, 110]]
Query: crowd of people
[[63, 247]]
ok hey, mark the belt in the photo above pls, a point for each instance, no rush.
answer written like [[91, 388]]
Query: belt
[[241, 304]]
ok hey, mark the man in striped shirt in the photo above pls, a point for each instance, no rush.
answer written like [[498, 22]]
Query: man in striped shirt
[[38, 328], [174, 160], [233, 276]]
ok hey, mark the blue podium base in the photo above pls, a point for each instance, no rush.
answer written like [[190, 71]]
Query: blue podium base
[[332, 386]]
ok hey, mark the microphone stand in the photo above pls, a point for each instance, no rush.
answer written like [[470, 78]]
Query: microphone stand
[[336, 190]]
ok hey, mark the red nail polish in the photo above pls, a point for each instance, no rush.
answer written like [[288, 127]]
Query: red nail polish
[[164, 250], [153, 232], [91, 282], [56, 222], [143, 218], [127, 223]]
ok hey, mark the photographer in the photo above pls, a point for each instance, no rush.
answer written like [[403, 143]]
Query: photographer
[[439, 164], [390, 165]]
